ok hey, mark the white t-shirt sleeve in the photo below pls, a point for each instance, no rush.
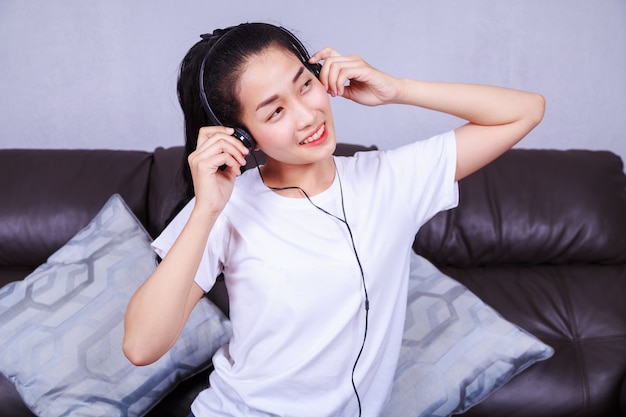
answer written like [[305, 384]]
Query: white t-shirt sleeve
[[430, 167], [209, 267]]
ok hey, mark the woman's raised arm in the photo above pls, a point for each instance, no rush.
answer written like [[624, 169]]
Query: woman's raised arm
[[497, 117], [159, 309]]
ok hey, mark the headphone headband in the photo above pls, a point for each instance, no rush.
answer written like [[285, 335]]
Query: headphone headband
[[218, 35]]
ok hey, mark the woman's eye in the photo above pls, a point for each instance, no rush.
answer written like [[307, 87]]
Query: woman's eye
[[276, 113], [306, 84]]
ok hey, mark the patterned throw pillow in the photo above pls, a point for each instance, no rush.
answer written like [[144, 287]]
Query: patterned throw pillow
[[61, 328], [456, 350]]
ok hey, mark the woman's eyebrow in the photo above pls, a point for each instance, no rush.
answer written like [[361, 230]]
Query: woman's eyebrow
[[275, 97], [298, 74]]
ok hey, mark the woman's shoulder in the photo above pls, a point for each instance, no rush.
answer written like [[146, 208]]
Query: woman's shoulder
[[249, 182], [405, 161]]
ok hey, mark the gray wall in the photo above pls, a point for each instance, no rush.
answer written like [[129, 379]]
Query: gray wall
[[102, 73]]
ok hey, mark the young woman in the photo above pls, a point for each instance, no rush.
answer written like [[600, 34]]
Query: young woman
[[314, 248]]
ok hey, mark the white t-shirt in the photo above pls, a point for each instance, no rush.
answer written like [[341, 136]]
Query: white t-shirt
[[295, 288]]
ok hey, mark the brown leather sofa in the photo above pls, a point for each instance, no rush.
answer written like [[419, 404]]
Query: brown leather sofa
[[540, 235]]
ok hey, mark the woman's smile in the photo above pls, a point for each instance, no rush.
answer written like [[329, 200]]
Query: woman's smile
[[316, 138]]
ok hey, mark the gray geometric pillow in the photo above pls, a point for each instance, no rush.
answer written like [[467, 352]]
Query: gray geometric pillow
[[456, 350], [61, 328]]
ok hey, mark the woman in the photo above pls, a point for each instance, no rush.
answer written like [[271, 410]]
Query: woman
[[315, 248]]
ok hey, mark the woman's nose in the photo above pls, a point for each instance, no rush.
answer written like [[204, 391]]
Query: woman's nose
[[305, 114]]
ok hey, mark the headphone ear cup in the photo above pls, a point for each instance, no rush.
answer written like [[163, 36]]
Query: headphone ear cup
[[315, 69], [244, 136]]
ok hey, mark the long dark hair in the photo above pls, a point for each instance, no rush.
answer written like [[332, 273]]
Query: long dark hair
[[223, 69]]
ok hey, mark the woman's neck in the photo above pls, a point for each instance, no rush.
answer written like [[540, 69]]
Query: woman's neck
[[312, 178]]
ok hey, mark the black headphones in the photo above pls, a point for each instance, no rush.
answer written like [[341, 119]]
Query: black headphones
[[241, 133]]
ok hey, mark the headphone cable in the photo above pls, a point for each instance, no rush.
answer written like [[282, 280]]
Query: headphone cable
[[345, 222]]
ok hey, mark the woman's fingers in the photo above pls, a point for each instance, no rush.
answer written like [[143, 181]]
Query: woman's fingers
[[341, 70], [323, 54], [353, 78], [217, 144], [214, 164], [328, 74], [338, 70]]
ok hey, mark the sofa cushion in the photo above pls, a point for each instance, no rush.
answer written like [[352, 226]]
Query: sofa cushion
[[61, 328], [456, 350], [48, 196], [534, 207]]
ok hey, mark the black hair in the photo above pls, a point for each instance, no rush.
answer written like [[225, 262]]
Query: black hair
[[223, 69]]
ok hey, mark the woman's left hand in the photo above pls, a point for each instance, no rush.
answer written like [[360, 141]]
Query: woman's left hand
[[353, 78]]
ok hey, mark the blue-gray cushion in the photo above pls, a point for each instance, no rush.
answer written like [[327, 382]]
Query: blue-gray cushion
[[61, 328], [456, 350]]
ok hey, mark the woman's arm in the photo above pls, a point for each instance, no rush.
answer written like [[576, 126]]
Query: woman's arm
[[497, 117], [159, 309]]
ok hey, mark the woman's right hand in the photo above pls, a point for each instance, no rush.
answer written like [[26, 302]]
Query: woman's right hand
[[216, 148], [151, 329]]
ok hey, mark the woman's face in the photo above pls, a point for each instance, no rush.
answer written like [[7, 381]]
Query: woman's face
[[286, 108]]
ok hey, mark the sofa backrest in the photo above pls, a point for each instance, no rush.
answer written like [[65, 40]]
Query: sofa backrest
[[48, 196], [527, 207], [534, 207], [167, 187]]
